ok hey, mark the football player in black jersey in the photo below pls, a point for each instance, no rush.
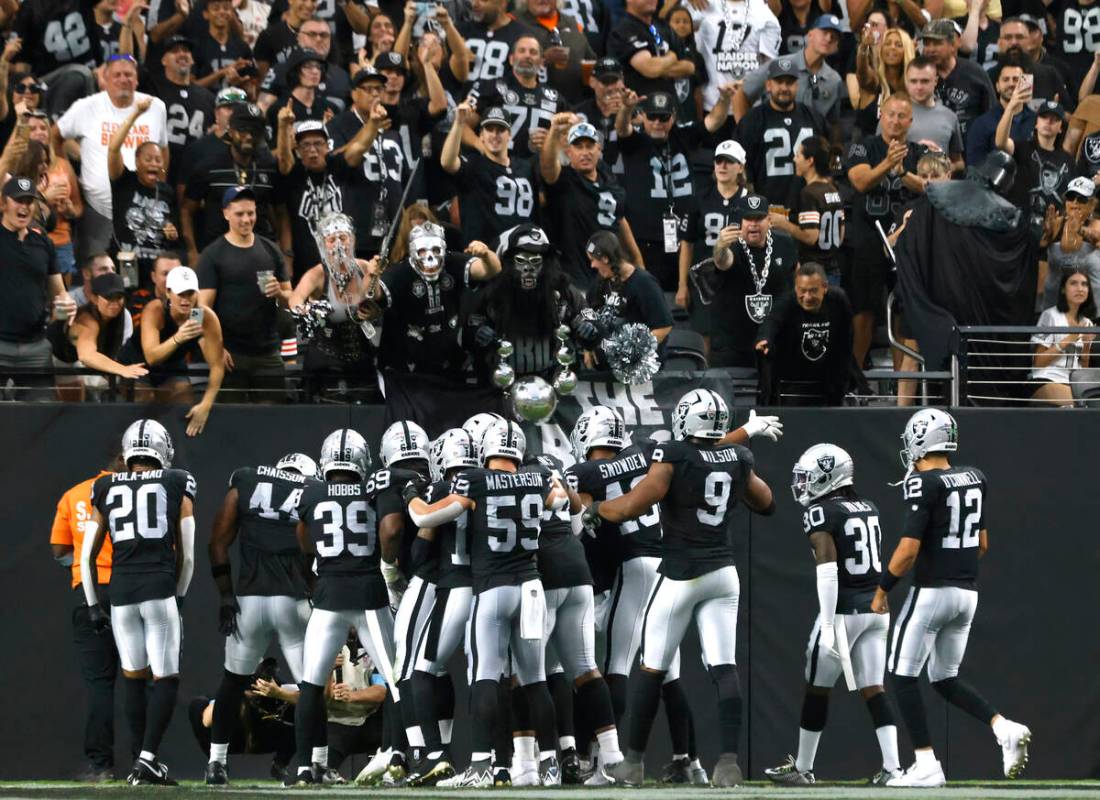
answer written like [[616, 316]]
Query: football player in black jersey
[[846, 537], [446, 547], [608, 467], [495, 190], [503, 510], [571, 630], [148, 513], [270, 599], [404, 454], [338, 523], [697, 481], [943, 537]]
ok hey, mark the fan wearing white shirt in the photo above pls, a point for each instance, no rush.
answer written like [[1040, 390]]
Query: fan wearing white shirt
[[1058, 354], [734, 37], [90, 122]]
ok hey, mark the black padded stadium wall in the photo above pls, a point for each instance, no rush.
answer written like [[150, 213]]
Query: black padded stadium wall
[[1033, 649]]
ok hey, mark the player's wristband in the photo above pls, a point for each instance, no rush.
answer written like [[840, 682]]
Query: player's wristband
[[219, 570], [888, 580]]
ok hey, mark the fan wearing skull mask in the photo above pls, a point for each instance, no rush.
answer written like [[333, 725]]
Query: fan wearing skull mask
[[421, 296], [524, 306]]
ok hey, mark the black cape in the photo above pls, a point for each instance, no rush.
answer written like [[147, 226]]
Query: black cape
[[954, 275]]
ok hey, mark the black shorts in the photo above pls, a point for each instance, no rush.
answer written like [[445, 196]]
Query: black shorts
[[871, 276]]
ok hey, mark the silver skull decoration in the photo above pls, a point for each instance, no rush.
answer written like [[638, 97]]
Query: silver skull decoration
[[427, 248], [335, 235], [528, 268]]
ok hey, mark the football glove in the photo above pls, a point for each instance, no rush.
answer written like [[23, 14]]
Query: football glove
[[412, 489], [760, 425], [227, 616], [485, 335], [100, 620], [591, 518], [827, 637]]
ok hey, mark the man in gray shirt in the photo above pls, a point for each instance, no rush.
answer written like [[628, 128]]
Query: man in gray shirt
[[819, 85], [934, 124]]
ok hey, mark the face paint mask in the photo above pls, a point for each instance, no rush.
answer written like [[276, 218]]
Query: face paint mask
[[528, 267]]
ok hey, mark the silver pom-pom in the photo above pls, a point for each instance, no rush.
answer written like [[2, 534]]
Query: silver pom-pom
[[565, 382], [563, 333], [533, 399], [504, 376], [311, 318], [505, 349], [565, 357], [631, 352]]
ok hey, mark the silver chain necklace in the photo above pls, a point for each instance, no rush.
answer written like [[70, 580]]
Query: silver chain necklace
[[759, 278], [731, 25]]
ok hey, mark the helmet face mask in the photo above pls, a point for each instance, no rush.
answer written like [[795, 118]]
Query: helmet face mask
[[147, 438], [701, 413], [403, 441], [300, 463], [345, 450], [427, 249], [820, 471], [599, 426]]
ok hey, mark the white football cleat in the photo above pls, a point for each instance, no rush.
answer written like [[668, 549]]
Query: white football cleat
[[525, 774], [925, 776], [375, 769], [1014, 748], [479, 776]]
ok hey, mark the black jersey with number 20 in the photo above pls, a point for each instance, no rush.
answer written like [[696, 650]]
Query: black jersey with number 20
[[945, 509], [695, 513], [142, 510], [857, 535], [267, 515], [344, 530], [504, 527]]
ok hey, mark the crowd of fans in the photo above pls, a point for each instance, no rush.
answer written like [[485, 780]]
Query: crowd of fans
[[398, 187]]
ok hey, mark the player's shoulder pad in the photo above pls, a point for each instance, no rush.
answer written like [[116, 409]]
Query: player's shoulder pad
[[186, 481], [468, 482], [670, 452], [818, 517], [917, 487], [100, 487], [240, 476]]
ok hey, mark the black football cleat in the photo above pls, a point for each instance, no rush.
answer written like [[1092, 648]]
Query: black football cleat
[[150, 773], [216, 774]]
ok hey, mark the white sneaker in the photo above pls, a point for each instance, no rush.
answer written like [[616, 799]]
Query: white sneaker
[[475, 777], [375, 769], [1014, 748], [600, 776], [920, 775], [525, 774]]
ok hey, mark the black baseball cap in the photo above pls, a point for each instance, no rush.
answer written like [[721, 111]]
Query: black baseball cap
[[367, 74], [390, 60], [237, 193], [607, 67], [308, 126], [782, 68], [177, 40], [1051, 108], [753, 206], [939, 29], [659, 103], [109, 284], [247, 115], [304, 55], [1027, 19], [18, 188], [495, 116]]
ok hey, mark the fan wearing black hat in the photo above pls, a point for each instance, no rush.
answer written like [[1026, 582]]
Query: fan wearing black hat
[[1044, 169], [496, 190], [657, 174], [564, 44], [412, 117], [491, 34], [279, 40], [602, 108], [755, 265], [772, 132], [96, 333], [190, 106], [335, 86], [305, 70], [963, 85], [243, 160]]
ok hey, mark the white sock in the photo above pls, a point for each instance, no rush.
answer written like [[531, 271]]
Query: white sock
[[567, 742], [320, 756], [888, 744], [524, 747], [446, 726], [435, 754], [546, 756], [1001, 728], [807, 749], [150, 757], [695, 763], [219, 752], [679, 756], [609, 746], [475, 757], [415, 736], [924, 757]]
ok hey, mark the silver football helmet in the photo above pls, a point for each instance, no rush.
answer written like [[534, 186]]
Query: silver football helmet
[[928, 431], [822, 469], [300, 463], [701, 413], [455, 449], [427, 249], [345, 450], [147, 438], [599, 426], [477, 425], [503, 439], [403, 441]]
